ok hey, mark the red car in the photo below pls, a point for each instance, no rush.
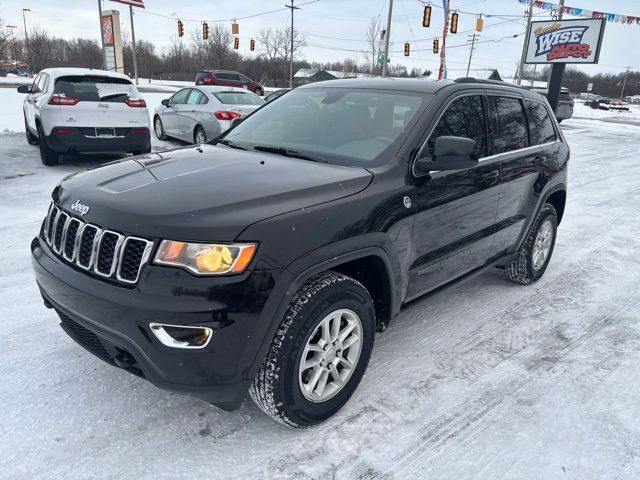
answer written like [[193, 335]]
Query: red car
[[228, 78]]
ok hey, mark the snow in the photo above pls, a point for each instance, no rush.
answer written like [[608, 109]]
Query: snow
[[486, 380]]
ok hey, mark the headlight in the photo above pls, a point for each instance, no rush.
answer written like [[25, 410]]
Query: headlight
[[206, 258]]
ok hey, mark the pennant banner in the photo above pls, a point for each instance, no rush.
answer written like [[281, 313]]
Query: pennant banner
[[579, 12]]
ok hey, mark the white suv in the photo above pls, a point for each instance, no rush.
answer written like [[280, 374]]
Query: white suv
[[83, 110]]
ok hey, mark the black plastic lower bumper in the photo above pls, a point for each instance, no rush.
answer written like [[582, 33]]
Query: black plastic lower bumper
[[83, 140], [112, 322]]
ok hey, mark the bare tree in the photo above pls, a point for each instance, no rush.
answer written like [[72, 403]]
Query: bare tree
[[374, 42], [4, 39], [276, 44]]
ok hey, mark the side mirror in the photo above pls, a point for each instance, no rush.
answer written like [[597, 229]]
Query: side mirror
[[165, 102], [450, 153], [236, 121], [24, 89]]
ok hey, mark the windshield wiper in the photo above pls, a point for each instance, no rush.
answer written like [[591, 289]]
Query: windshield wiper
[[285, 152], [230, 144]]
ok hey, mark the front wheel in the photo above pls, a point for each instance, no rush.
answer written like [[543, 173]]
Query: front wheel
[[320, 352], [31, 138], [531, 261], [158, 128]]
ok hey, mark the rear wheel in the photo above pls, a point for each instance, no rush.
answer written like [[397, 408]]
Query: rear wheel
[[259, 91], [319, 353], [199, 136], [48, 156], [31, 138], [531, 261], [158, 128]]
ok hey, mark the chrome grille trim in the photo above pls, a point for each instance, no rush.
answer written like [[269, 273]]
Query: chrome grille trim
[[56, 215], [85, 228], [116, 252], [143, 261], [65, 218]]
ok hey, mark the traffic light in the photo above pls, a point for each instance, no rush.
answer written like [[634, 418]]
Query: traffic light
[[236, 43], [454, 22], [205, 31], [426, 16], [235, 29], [407, 49], [479, 23], [436, 45], [252, 45], [180, 28]]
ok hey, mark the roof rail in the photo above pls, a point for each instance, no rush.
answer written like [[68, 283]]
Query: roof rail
[[490, 82]]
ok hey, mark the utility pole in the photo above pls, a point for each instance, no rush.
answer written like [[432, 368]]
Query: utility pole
[[104, 58], [387, 35], [526, 40], [557, 71], [133, 45], [24, 20], [624, 83], [292, 8], [473, 42]]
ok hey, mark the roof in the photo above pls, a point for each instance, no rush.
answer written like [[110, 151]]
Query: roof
[[310, 72], [58, 72], [422, 85]]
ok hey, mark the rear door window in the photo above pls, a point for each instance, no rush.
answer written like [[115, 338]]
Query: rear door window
[[508, 125], [540, 125], [464, 117], [194, 97], [238, 98], [91, 88]]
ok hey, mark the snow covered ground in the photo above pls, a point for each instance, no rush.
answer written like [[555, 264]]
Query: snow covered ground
[[486, 380]]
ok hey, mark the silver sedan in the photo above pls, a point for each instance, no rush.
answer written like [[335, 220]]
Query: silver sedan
[[199, 114]]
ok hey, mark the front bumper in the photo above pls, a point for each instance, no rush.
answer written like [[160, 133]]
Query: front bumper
[[84, 140], [112, 322]]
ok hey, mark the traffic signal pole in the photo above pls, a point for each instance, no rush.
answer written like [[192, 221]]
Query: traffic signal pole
[[386, 40]]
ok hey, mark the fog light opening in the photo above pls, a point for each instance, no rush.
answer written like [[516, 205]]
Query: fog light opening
[[179, 336]]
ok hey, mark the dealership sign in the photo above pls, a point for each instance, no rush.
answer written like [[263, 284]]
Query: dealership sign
[[565, 41]]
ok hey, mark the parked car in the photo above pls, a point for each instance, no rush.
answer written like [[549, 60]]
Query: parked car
[[277, 94], [197, 115], [227, 78], [267, 262], [564, 110], [82, 110]]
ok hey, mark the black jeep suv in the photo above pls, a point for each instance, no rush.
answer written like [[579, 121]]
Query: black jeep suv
[[265, 261]]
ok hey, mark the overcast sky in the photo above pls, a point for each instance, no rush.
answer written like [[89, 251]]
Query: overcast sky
[[335, 29]]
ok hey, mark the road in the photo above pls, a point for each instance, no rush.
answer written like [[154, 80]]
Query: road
[[488, 380]]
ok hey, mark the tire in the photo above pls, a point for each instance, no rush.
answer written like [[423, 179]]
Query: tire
[[158, 128], [199, 136], [48, 156], [259, 91], [31, 138], [526, 267], [277, 388], [141, 152]]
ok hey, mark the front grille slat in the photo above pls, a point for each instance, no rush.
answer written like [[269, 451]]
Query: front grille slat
[[101, 252]]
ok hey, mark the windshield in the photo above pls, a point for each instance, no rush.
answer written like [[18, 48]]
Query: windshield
[[238, 98], [95, 88], [341, 126]]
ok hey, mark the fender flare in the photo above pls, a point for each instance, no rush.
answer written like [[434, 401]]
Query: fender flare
[[301, 277], [543, 199]]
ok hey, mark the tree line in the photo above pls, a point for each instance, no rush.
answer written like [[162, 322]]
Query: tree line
[[269, 65]]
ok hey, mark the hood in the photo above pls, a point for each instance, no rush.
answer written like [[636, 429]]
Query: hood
[[207, 193]]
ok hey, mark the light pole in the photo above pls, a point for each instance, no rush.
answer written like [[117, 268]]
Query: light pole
[[387, 35], [12, 29], [26, 32]]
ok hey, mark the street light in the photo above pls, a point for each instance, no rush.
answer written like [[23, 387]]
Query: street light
[[24, 20]]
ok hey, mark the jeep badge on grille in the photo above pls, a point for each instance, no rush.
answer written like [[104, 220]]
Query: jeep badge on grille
[[80, 208]]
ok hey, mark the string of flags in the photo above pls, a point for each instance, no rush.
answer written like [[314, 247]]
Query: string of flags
[[580, 12]]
